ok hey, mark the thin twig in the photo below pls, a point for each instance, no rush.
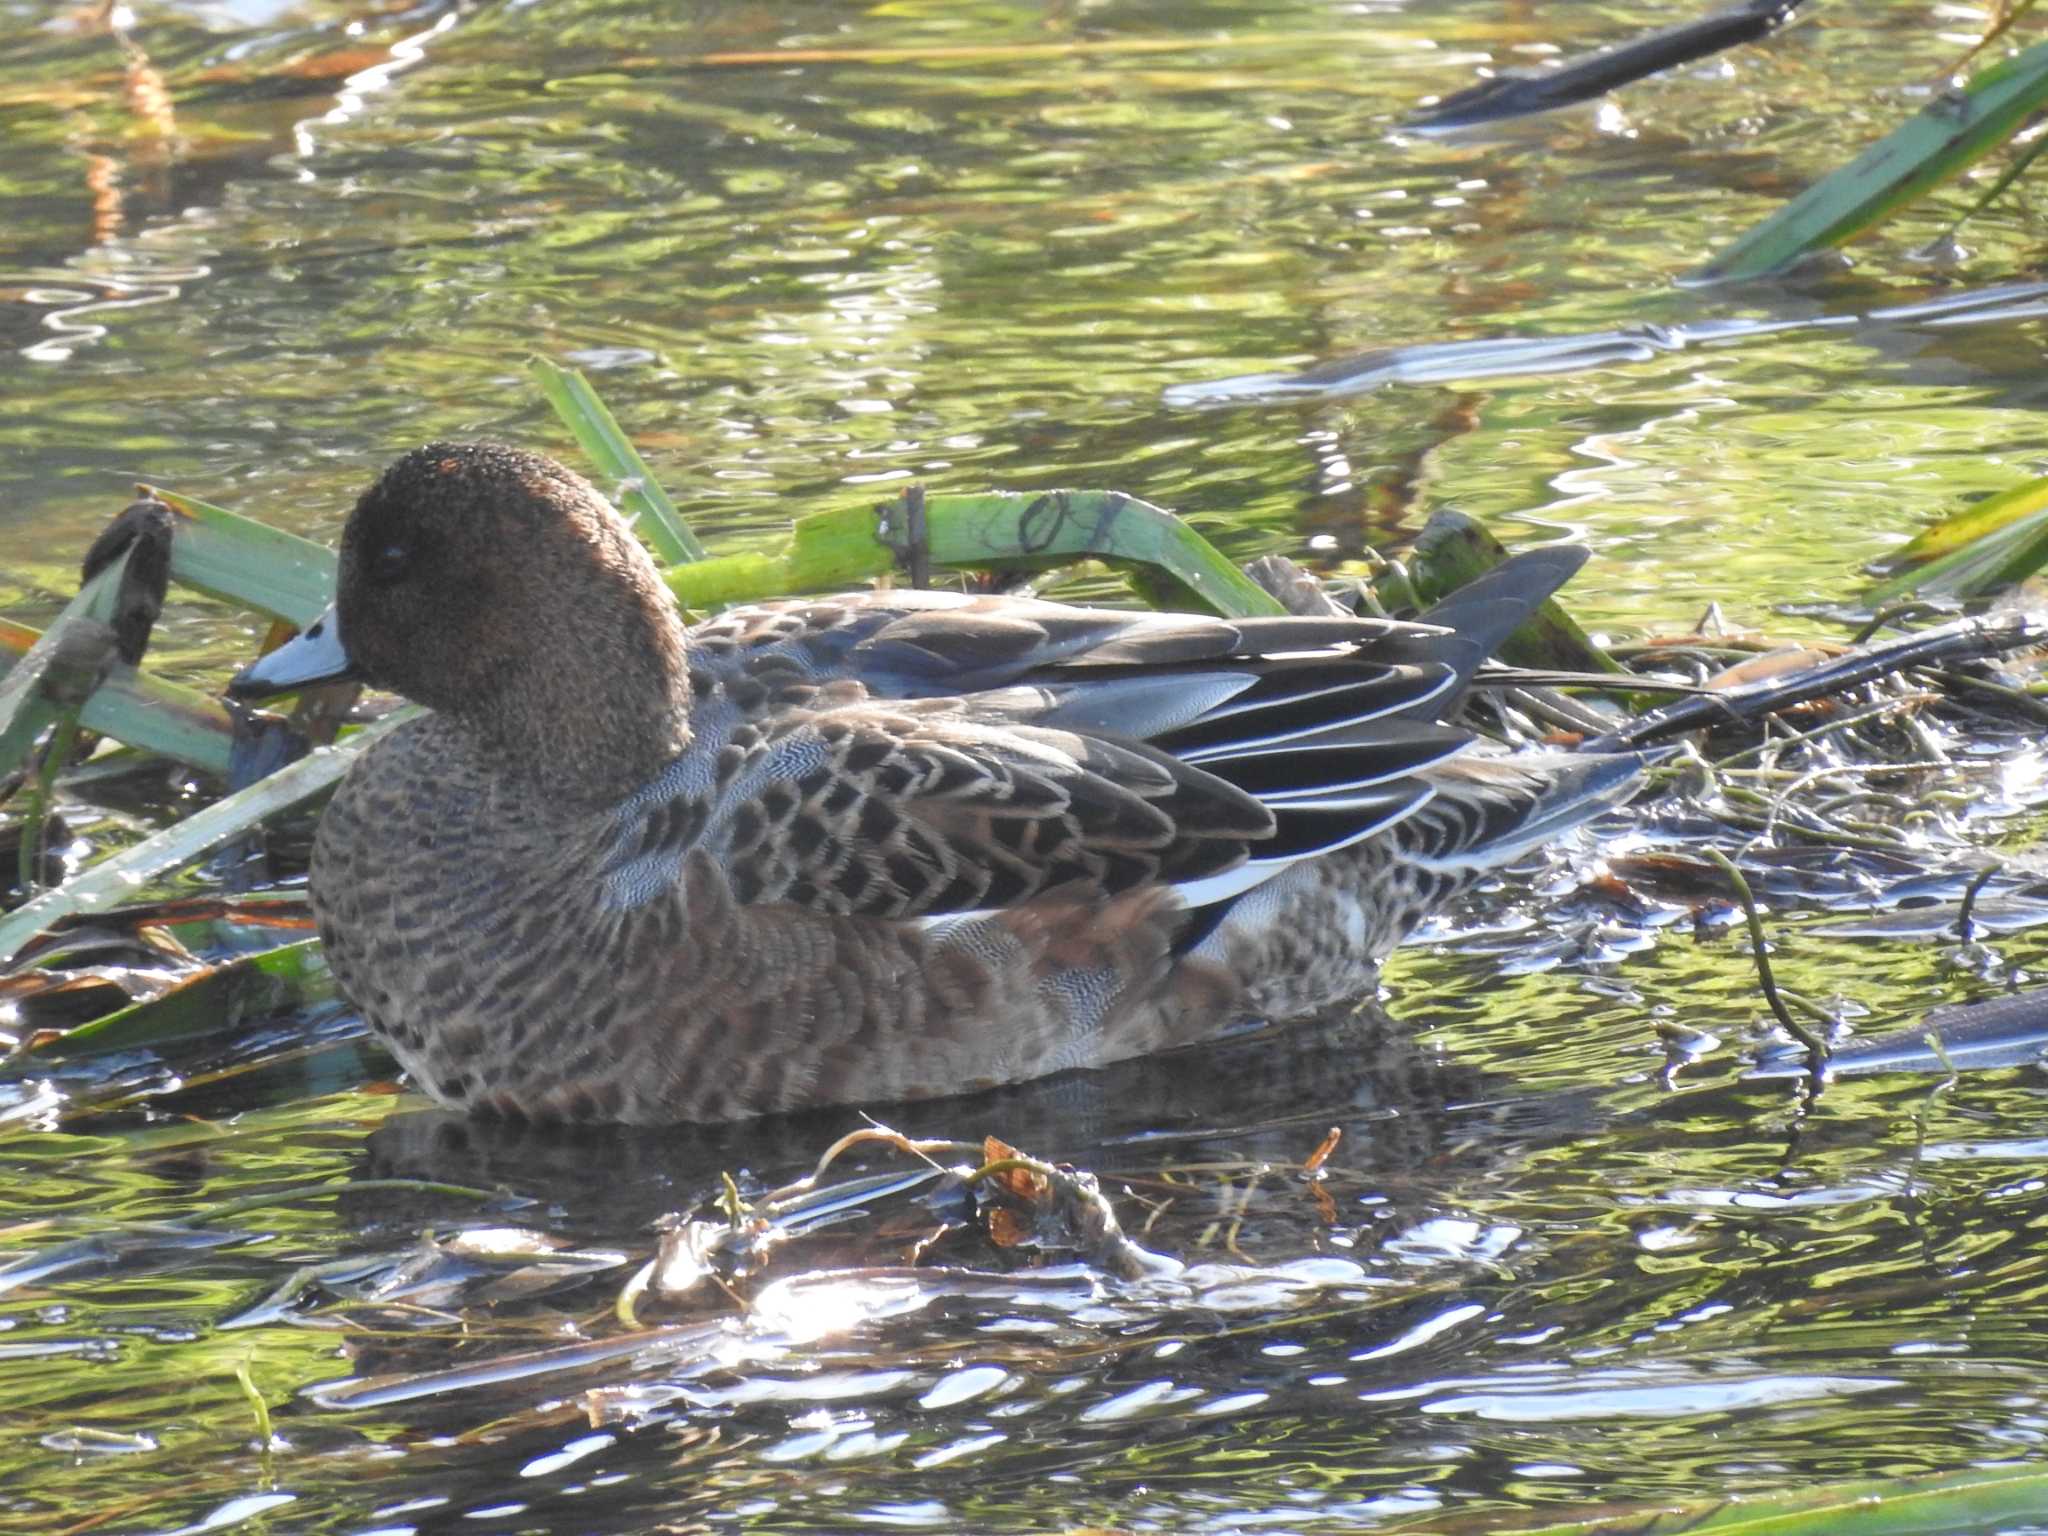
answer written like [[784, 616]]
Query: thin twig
[[2019, 698], [1895, 614], [1876, 711], [1816, 1047], [1964, 914], [1782, 799]]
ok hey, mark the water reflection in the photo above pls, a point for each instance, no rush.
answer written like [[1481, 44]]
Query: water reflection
[[1497, 1266], [969, 247]]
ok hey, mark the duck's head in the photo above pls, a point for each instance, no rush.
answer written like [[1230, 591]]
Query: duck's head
[[503, 591]]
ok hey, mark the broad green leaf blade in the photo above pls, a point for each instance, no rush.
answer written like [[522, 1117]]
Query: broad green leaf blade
[[146, 712], [1997, 557], [1938, 143], [240, 560], [1001, 530], [1975, 521], [598, 434], [118, 878], [835, 550]]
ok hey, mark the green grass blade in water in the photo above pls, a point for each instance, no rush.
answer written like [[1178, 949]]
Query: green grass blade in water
[[1974, 522], [1997, 542], [598, 434], [214, 1002], [1980, 1500], [119, 878], [1938, 143]]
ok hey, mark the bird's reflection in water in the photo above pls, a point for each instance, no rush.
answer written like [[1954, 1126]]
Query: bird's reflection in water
[[1266, 1098]]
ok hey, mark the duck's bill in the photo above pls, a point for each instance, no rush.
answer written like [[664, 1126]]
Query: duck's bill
[[314, 655]]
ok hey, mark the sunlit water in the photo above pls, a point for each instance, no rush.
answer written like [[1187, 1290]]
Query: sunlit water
[[811, 252]]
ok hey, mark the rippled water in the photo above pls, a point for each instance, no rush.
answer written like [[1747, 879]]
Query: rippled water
[[809, 251]]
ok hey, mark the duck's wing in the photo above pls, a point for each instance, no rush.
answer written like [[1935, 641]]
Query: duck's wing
[[916, 644], [914, 754], [914, 808], [907, 809]]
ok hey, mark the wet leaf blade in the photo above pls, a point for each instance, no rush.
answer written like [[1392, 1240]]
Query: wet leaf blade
[[213, 1002], [999, 531], [1974, 522], [118, 878], [597, 432], [1007, 529], [1938, 143], [146, 712], [240, 560], [2004, 553], [149, 713], [28, 706]]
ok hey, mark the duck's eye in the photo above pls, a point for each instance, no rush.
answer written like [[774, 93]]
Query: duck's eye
[[390, 564]]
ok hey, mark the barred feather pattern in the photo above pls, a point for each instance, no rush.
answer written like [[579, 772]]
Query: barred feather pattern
[[496, 992]]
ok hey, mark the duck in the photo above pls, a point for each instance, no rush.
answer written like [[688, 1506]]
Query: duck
[[867, 848]]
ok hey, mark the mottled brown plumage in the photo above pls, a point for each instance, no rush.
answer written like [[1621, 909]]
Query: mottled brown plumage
[[867, 848]]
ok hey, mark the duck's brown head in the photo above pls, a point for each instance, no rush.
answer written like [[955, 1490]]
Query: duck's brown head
[[502, 590]]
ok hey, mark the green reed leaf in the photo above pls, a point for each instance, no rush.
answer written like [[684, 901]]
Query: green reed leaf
[[213, 1002], [1942, 140], [597, 432], [830, 551], [59, 669], [1995, 543], [119, 878], [144, 711], [240, 560]]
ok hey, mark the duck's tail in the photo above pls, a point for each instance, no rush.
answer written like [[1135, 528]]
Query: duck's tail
[[1489, 810], [1482, 614], [1310, 935]]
